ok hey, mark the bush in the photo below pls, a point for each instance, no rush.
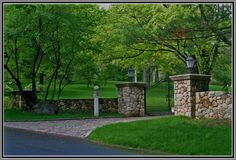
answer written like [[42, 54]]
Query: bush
[[7, 88], [7, 102]]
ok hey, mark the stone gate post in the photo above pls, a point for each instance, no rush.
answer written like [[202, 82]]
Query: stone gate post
[[185, 87], [132, 99]]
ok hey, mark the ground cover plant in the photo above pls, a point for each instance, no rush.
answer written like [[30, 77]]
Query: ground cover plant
[[174, 135]]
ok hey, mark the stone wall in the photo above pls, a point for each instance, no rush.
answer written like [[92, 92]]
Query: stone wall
[[213, 104], [131, 99], [185, 87], [105, 104]]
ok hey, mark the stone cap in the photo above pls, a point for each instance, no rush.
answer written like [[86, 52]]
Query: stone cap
[[191, 77], [132, 84]]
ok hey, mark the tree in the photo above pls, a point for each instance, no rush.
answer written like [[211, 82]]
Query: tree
[[16, 32], [159, 31], [223, 69], [47, 38]]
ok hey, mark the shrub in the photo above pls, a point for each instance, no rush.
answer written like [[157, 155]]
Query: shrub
[[7, 102]]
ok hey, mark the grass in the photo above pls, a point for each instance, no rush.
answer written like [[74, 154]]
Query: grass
[[156, 98], [19, 115], [75, 91], [174, 135]]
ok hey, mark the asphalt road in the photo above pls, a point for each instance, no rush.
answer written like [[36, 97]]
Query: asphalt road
[[18, 143]]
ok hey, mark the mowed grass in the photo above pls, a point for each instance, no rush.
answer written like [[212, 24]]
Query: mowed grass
[[76, 91], [156, 98], [173, 135], [19, 115]]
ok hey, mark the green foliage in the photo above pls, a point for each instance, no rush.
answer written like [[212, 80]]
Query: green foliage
[[8, 88], [163, 36], [84, 42], [173, 135], [7, 102], [49, 39], [223, 69]]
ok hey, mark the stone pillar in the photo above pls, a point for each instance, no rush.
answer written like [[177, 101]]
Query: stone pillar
[[185, 87], [132, 99]]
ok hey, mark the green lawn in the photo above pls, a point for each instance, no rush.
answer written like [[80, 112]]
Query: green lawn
[[173, 135], [75, 91], [18, 115], [156, 98]]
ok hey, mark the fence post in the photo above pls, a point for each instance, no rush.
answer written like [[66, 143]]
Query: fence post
[[96, 101]]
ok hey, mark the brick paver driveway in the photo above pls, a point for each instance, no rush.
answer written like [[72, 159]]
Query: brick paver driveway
[[76, 128]]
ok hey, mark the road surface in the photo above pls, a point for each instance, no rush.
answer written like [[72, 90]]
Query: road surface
[[19, 143]]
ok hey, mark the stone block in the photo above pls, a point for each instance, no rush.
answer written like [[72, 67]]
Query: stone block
[[202, 94], [219, 101], [214, 104], [219, 93], [228, 101]]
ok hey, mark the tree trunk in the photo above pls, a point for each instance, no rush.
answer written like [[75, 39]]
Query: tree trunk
[[19, 86], [115, 76], [157, 76], [148, 77], [144, 75]]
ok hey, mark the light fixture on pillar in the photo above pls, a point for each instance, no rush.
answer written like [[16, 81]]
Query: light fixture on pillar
[[130, 74], [190, 63]]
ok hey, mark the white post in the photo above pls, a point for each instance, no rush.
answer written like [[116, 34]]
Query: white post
[[135, 75], [96, 101]]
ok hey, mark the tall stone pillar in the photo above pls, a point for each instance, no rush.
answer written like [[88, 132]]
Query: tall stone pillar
[[132, 99], [185, 87]]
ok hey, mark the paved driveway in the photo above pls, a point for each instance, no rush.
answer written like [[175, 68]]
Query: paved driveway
[[24, 143], [75, 128]]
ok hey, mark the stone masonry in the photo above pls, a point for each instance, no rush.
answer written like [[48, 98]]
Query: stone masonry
[[132, 99], [105, 104], [213, 104], [185, 87]]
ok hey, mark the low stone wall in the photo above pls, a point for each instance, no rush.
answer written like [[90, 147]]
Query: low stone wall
[[213, 104], [105, 104]]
